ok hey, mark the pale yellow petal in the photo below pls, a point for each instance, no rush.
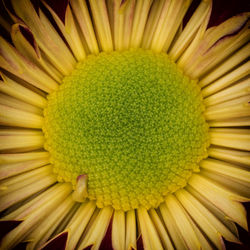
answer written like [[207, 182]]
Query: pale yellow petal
[[79, 222], [98, 229], [221, 198], [118, 230], [33, 220]]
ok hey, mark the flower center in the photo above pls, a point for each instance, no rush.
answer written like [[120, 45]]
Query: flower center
[[132, 123]]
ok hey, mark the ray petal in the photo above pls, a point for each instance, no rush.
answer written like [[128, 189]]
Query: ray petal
[[17, 104], [32, 51], [118, 230], [46, 36], [159, 225], [11, 169], [221, 198], [81, 12], [98, 229], [225, 81], [191, 28], [226, 66], [182, 222], [232, 138], [14, 89], [69, 31], [102, 25], [130, 230], [211, 226], [19, 118], [230, 155], [176, 236], [21, 142], [227, 169], [139, 21], [217, 44], [13, 158], [31, 205], [150, 236], [157, 8], [121, 13], [79, 222], [25, 192], [17, 182], [168, 24], [236, 108], [41, 233], [239, 89], [12, 61], [23, 230]]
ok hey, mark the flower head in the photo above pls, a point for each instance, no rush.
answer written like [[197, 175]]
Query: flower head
[[126, 118]]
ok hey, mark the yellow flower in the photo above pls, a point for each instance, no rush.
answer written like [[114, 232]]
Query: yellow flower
[[121, 119]]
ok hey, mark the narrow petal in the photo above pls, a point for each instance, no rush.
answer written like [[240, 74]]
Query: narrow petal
[[19, 118], [20, 232], [236, 108], [25, 192], [15, 183], [226, 66], [182, 222], [29, 156], [142, 9], [69, 31], [14, 89], [118, 230], [173, 230], [168, 24], [191, 49], [121, 13], [150, 236], [191, 28], [32, 51], [225, 81], [235, 186], [129, 6], [227, 169], [234, 122], [21, 142], [239, 89], [30, 206], [11, 169], [211, 226], [155, 13], [230, 155], [97, 230], [46, 36], [44, 230], [232, 138], [6, 100], [130, 230], [159, 225], [79, 222], [102, 26], [221, 198], [82, 15], [12, 61], [206, 54], [216, 212]]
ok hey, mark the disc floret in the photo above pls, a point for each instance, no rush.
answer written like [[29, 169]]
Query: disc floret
[[130, 121]]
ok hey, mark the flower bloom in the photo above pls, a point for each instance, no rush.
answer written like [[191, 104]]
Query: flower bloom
[[120, 118]]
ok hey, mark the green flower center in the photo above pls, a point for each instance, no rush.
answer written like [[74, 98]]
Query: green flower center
[[130, 121]]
